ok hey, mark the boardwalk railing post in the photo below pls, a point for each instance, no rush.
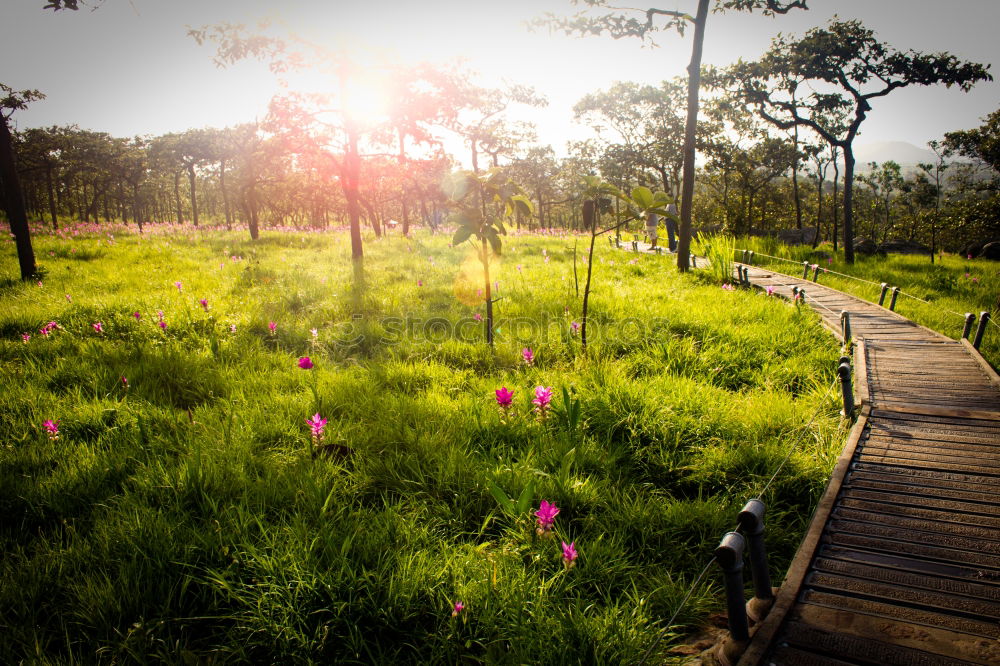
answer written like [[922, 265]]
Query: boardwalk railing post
[[845, 326], [815, 272], [694, 261], [802, 295], [729, 555], [745, 252], [984, 317], [970, 319], [750, 258], [805, 270], [751, 520], [635, 246], [881, 296], [844, 371], [892, 301]]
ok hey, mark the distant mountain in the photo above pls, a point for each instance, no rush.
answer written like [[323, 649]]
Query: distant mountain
[[906, 154]]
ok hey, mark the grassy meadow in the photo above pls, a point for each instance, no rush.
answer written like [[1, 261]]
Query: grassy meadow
[[185, 512], [935, 296]]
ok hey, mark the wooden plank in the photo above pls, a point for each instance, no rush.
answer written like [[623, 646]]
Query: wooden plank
[[990, 414], [796, 573], [990, 371]]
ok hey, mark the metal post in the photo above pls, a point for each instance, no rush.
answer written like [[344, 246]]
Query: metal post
[[729, 555], [881, 296], [970, 319], [844, 371], [750, 261], [892, 301], [805, 270], [751, 520], [635, 246], [815, 272], [845, 326], [745, 252], [984, 317], [694, 261]]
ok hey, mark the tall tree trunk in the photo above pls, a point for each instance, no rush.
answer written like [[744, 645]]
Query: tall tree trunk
[[225, 194], [819, 207], [848, 203], [251, 205], [836, 190], [136, 209], [17, 216], [589, 210], [194, 194], [350, 177], [795, 179], [177, 197], [690, 133]]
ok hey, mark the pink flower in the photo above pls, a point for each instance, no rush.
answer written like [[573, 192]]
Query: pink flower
[[69, 299], [770, 290], [124, 381], [314, 332], [457, 608], [727, 287], [420, 283], [505, 397], [569, 554], [546, 259], [159, 313], [574, 327], [528, 355], [52, 428], [829, 261], [137, 315], [39, 283], [163, 325], [477, 317], [25, 337], [305, 363], [98, 327], [542, 400], [519, 268], [204, 303], [968, 256], [316, 424], [178, 285], [272, 326], [546, 516], [232, 328]]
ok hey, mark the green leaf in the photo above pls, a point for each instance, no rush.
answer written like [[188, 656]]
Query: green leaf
[[501, 497], [524, 500], [495, 242], [643, 197], [461, 235]]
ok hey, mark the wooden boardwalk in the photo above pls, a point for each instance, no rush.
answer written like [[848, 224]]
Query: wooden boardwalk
[[901, 563]]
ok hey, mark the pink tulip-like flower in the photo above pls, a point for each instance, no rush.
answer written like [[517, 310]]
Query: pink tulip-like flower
[[162, 325], [505, 396], [52, 428], [457, 608], [477, 317], [542, 401], [39, 283], [98, 326], [69, 299], [159, 313], [137, 315], [272, 326], [770, 290], [420, 283], [314, 332], [574, 327], [569, 554], [829, 261], [528, 355], [546, 260], [968, 256], [519, 268], [727, 287], [316, 424], [204, 303], [305, 363], [232, 328], [178, 285], [479, 292], [124, 381], [25, 337], [546, 516]]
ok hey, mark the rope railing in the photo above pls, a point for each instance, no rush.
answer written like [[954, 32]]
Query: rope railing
[[763, 491], [871, 282], [811, 302]]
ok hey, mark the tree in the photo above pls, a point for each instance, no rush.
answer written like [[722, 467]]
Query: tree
[[480, 120], [11, 101], [844, 55], [981, 143], [936, 171], [885, 180], [483, 202], [628, 25]]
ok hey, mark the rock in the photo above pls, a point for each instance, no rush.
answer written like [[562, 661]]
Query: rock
[[900, 246], [865, 246], [991, 251], [972, 250]]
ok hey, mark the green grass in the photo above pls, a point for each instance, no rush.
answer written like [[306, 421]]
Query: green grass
[[182, 518], [935, 296]]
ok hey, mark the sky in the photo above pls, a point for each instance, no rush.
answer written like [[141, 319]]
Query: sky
[[129, 67]]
